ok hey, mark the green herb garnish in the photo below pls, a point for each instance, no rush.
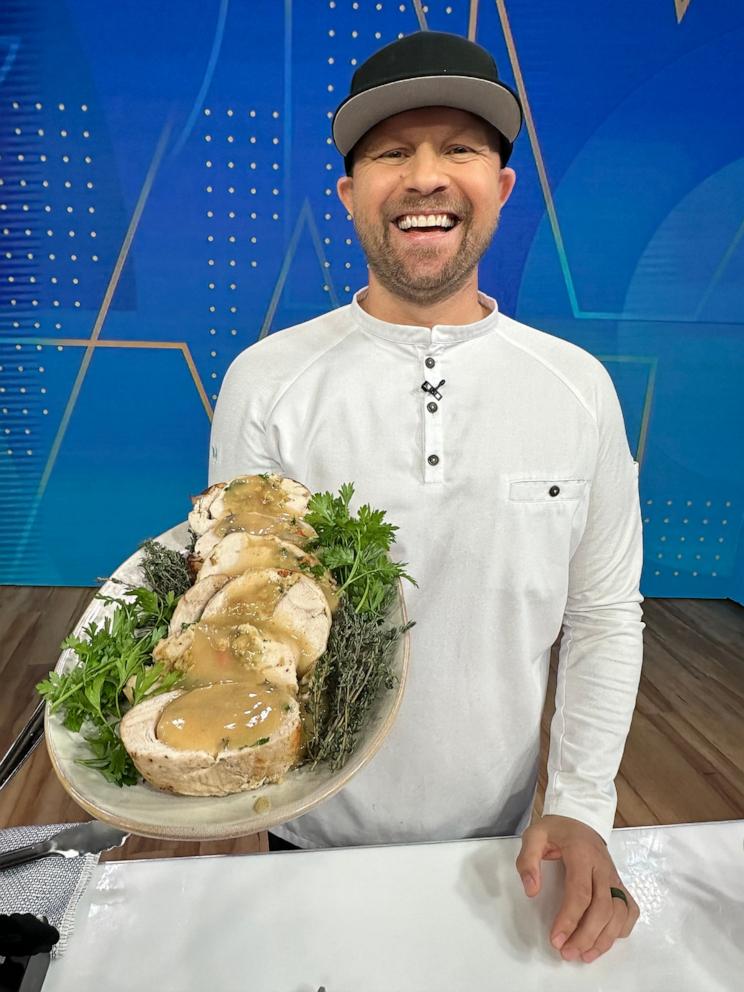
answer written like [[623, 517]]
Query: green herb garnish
[[346, 680], [165, 570], [355, 549], [112, 658]]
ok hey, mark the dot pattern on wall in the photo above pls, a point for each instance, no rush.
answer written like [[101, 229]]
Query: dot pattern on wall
[[257, 240], [691, 537], [352, 30], [242, 193], [50, 214]]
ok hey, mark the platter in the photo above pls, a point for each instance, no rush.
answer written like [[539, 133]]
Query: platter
[[144, 810]]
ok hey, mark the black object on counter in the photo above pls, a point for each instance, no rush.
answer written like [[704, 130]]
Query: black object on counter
[[25, 943]]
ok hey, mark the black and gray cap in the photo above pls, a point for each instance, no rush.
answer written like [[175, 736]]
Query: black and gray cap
[[427, 69]]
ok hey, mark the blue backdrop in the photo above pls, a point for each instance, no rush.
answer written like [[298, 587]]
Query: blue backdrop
[[168, 196]]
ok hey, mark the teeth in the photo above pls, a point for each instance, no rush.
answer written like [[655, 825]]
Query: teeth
[[420, 220]]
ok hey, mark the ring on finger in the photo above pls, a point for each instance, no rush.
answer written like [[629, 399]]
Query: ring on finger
[[619, 894]]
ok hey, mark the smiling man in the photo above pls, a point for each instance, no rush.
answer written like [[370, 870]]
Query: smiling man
[[426, 194], [507, 470]]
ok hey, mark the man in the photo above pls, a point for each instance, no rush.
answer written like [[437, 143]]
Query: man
[[508, 473]]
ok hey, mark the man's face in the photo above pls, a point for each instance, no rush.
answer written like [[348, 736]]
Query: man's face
[[434, 162]]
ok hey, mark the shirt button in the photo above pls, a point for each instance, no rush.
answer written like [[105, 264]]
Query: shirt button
[[430, 363], [554, 490], [432, 407], [433, 459]]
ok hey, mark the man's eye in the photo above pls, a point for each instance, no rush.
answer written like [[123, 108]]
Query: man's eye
[[460, 149], [393, 152]]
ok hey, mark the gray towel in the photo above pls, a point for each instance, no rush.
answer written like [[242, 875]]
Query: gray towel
[[49, 887]]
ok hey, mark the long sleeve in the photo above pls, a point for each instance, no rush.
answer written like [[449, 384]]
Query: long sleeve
[[602, 647], [238, 443]]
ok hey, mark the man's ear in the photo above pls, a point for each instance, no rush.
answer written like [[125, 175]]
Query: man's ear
[[507, 179], [344, 188]]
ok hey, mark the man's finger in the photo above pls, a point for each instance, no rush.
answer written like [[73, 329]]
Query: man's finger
[[577, 896], [598, 919], [609, 934], [534, 842]]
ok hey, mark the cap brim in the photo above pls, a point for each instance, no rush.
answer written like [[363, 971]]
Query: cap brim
[[493, 102]]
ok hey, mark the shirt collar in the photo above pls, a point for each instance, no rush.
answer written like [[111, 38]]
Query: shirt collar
[[440, 335]]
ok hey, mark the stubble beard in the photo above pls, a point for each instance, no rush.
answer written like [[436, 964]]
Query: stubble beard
[[402, 274]]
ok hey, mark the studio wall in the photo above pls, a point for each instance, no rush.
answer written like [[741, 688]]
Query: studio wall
[[167, 198]]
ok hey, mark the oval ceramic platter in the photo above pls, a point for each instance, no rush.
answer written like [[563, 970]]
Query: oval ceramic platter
[[142, 809]]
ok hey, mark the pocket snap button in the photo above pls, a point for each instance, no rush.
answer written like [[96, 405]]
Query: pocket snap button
[[554, 490]]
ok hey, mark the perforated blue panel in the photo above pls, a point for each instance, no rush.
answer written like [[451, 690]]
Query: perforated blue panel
[[168, 196]]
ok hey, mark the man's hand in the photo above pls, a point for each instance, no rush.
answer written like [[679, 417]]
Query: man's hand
[[590, 920]]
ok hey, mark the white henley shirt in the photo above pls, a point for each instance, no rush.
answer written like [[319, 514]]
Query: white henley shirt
[[516, 498]]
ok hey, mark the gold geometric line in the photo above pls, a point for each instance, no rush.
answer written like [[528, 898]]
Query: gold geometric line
[[181, 346], [103, 312], [473, 20], [106, 343], [197, 381], [681, 7], [532, 132], [423, 26]]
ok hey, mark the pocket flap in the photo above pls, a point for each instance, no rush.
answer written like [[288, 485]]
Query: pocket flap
[[547, 490]]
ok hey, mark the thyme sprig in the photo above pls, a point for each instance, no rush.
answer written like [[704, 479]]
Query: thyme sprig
[[164, 569], [346, 680]]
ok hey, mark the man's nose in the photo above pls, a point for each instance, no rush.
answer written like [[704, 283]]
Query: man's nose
[[426, 172]]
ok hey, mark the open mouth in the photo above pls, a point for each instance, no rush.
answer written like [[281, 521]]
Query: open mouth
[[426, 225]]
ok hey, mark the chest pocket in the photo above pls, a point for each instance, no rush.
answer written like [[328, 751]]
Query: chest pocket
[[548, 490]]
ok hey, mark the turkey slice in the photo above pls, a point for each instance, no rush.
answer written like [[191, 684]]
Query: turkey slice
[[207, 653], [200, 518], [246, 500], [191, 605], [267, 493], [240, 552], [286, 606], [213, 770]]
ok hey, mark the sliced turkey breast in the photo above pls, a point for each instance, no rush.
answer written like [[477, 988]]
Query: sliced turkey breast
[[286, 606], [296, 534], [214, 741], [200, 518], [269, 493], [207, 653], [245, 502], [240, 552], [191, 605]]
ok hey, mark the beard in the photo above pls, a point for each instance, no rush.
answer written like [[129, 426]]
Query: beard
[[415, 274]]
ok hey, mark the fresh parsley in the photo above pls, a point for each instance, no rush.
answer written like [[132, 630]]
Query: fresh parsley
[[115, 670], [356, 550]]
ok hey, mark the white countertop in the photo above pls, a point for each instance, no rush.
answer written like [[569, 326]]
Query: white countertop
[[416, 918]]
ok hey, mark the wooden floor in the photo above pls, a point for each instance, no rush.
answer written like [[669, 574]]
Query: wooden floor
[[683, 761]]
